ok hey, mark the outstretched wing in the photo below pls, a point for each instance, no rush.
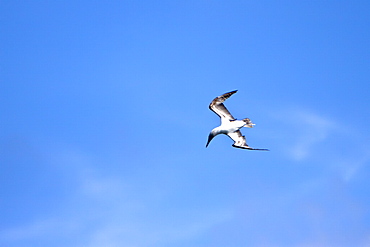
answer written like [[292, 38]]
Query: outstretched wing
[[219, 108], [240, 141]]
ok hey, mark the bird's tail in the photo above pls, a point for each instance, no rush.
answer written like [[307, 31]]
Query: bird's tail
[[248, 123]]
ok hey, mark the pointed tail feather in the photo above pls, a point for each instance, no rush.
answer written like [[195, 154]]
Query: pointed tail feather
[[248, 122]]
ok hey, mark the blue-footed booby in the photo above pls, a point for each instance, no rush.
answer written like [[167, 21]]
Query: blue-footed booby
[[229, 125]]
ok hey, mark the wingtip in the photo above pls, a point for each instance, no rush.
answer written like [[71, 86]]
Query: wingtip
[[260, 149], [231, 92], [250, 148]]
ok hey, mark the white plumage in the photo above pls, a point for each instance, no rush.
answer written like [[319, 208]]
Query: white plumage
[[229, 125]]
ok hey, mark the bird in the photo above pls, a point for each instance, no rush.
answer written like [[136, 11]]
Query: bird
[[230, 126]]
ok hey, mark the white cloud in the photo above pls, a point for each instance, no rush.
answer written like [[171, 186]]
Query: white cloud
[[313, 130], [103, 209], [302, 130], [142, 233], [349, 167], [305, 134], [52, 227]]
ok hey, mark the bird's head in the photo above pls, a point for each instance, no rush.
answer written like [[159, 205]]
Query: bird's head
[[210, 137]]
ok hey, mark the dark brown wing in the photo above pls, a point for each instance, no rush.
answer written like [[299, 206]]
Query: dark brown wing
[[219, 108]]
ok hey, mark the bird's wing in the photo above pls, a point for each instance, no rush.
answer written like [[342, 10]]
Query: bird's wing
[[219, 108], [241, 142], [238, 138]]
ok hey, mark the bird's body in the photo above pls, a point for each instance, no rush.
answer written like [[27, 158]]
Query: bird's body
[[229, 125]]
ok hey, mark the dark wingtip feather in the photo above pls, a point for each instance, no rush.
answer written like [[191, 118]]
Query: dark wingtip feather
[[250, 148]]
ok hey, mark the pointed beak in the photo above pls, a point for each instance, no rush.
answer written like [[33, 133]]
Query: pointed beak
[[210, 137]]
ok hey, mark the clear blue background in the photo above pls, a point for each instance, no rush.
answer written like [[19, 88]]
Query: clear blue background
[[104, 121]]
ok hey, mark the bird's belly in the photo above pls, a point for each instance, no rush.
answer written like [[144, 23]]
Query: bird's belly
[[232, 127], [230, 130]]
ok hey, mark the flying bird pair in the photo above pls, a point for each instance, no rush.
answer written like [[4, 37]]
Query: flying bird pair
[[229, 125]]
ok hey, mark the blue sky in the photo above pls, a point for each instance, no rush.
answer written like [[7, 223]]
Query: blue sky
[[104, 121]]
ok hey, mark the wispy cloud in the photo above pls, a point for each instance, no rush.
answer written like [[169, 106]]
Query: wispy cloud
[[304, 130], [46, 228], [105, 210], [306, 133], [350, 166], [149, 232], [313, 130]]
